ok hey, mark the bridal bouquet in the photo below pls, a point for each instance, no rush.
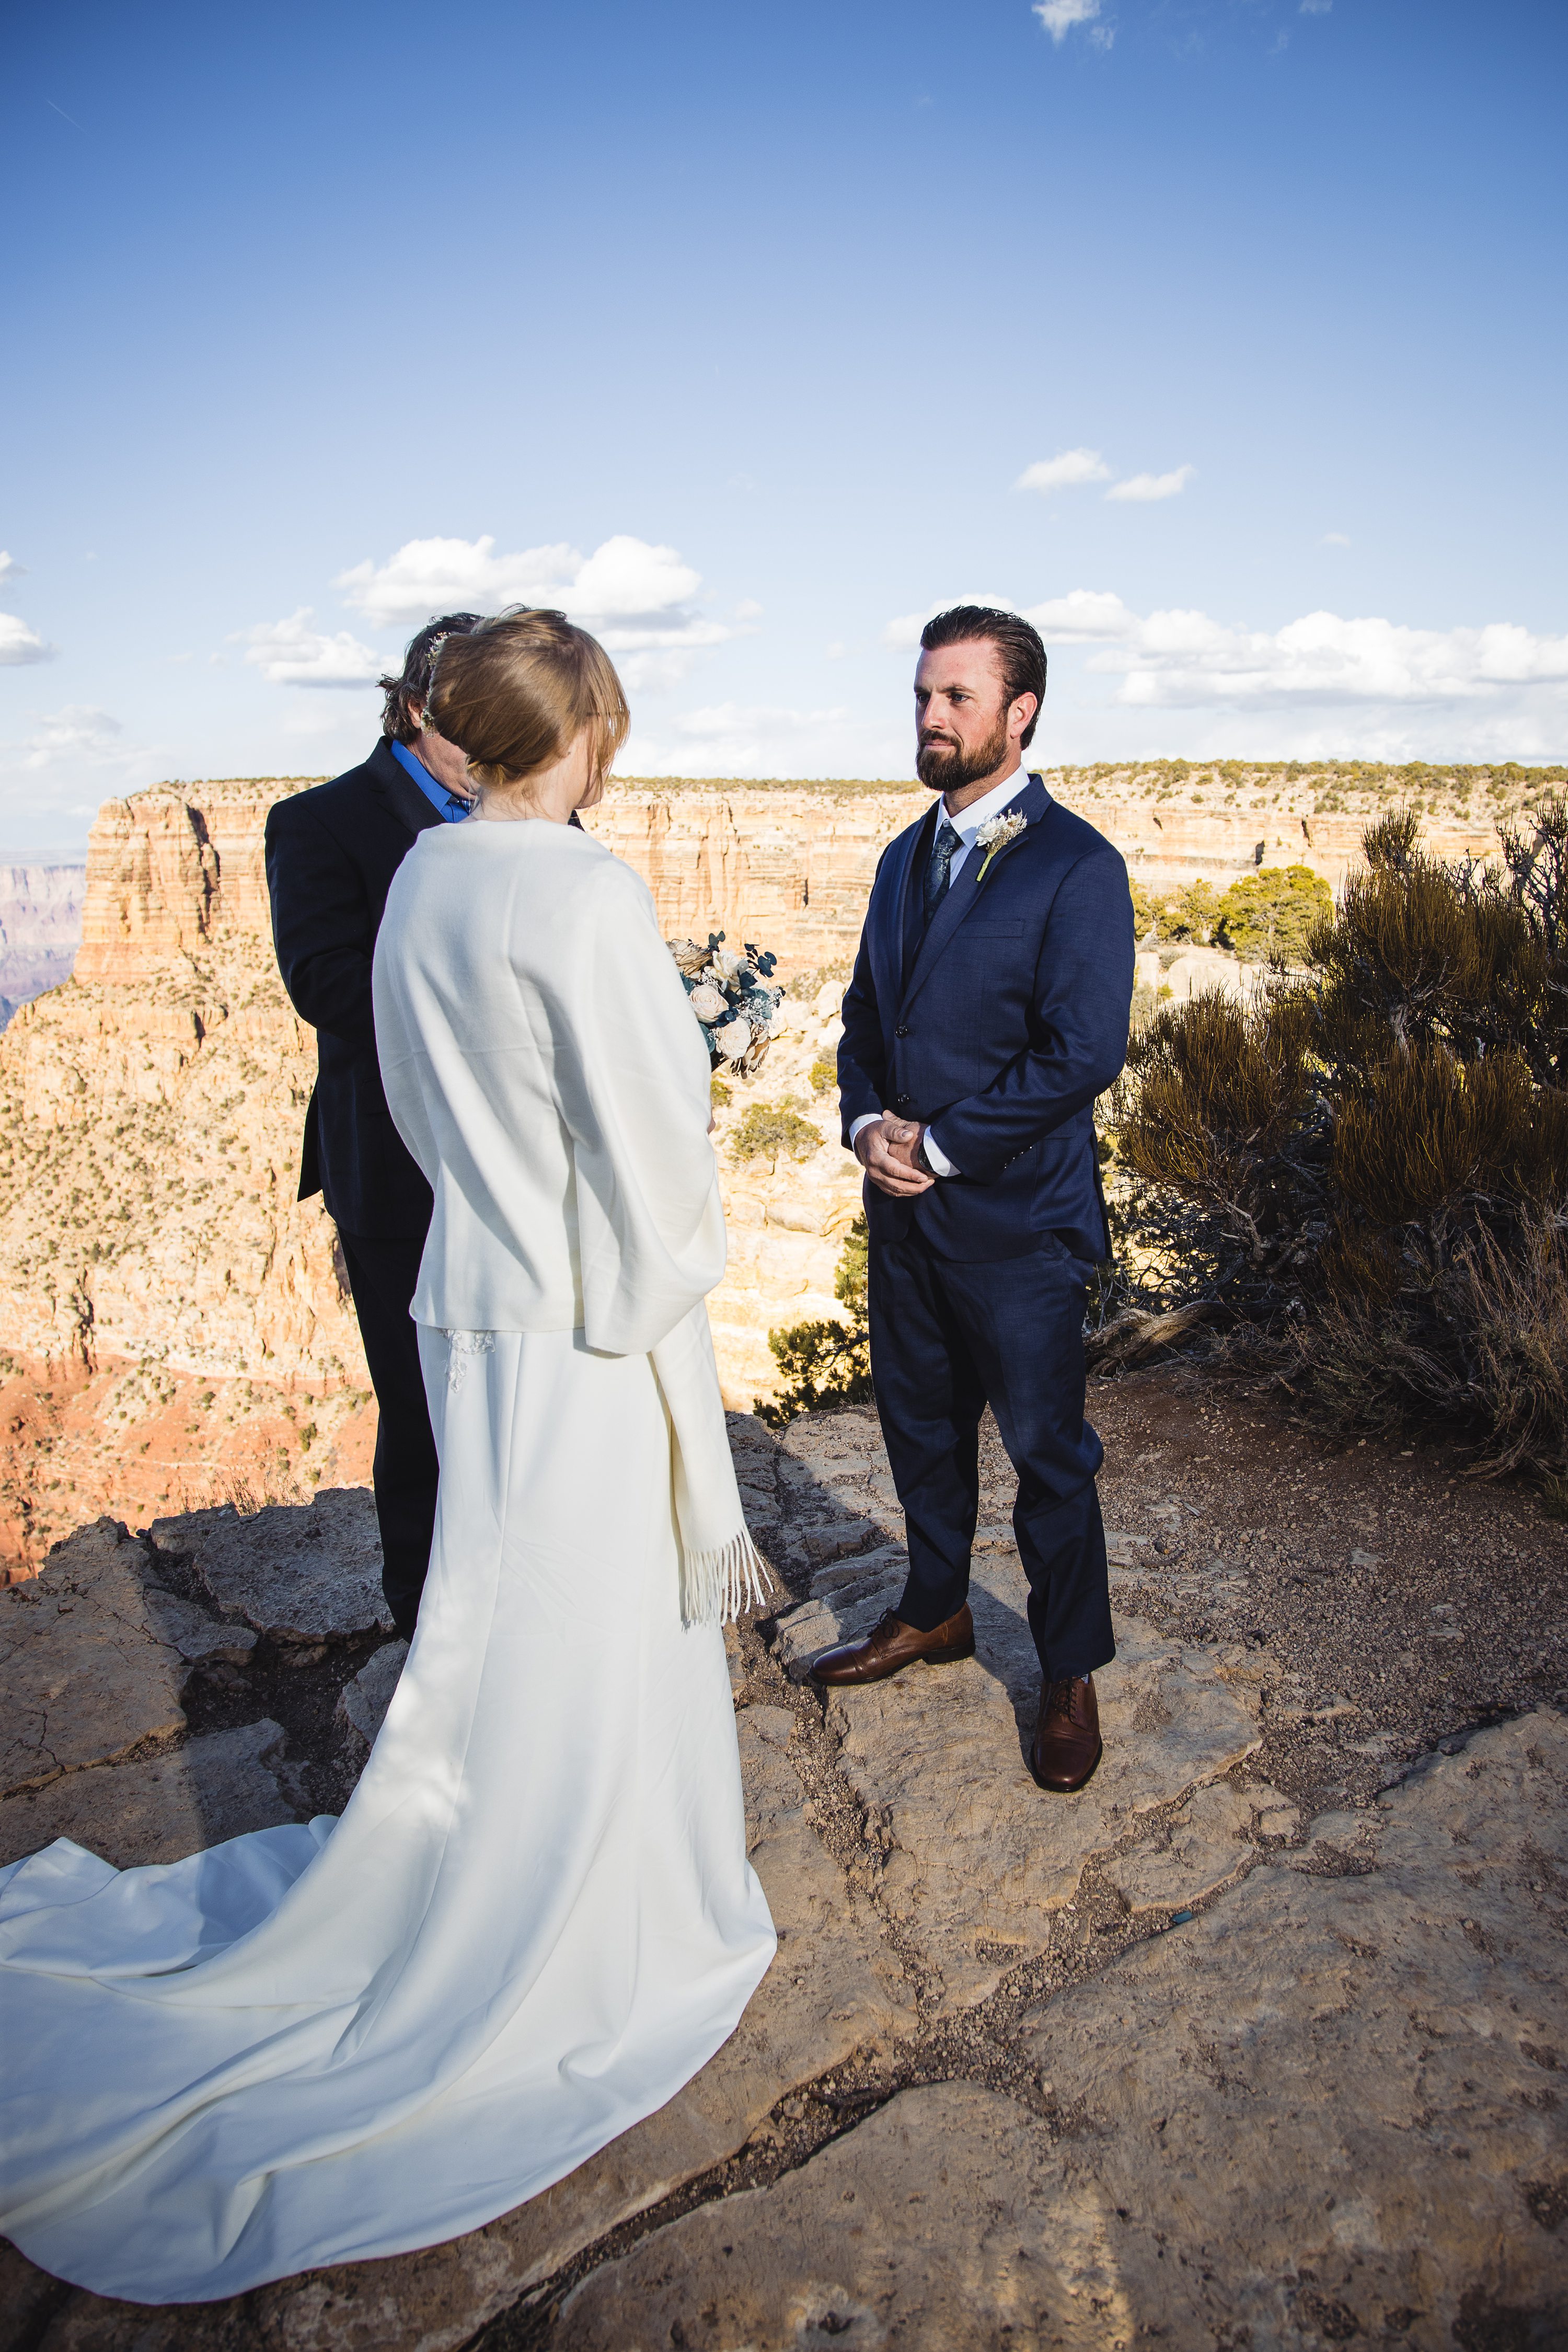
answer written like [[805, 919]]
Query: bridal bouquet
[[729, 995]]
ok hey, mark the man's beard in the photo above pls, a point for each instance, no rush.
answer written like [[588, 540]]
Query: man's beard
[[947, 767]]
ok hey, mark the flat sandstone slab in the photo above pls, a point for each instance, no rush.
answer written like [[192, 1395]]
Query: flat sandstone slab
[[87, 1672], [922, 2228], [979, 1857], [1338, 2095], [302, 1573], [217, 1786]]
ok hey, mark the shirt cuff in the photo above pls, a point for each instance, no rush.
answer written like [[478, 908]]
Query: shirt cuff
[[940, 1165], [867, 1118]]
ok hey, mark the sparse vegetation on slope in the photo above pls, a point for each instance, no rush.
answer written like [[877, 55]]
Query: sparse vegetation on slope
[[826, 1363]]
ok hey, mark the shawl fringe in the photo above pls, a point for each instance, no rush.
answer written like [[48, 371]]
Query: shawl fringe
[[725, 1582]]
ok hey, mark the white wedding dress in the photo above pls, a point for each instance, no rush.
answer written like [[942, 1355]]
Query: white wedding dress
[[535, 1919]]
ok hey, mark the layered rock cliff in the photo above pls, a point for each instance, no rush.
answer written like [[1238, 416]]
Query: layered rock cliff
[[175, 1323]]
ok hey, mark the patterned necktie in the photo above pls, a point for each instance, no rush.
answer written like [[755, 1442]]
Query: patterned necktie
[[944, 850]]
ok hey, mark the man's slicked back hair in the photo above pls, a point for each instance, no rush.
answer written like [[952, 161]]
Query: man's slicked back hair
[[1018, 648]]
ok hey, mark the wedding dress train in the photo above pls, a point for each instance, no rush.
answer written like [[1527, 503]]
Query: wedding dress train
[[532, 1924], [535, 1919]]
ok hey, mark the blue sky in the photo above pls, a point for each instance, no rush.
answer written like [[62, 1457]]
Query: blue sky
[[1225, 336]]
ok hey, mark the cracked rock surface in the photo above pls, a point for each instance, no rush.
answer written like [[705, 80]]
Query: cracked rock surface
[[1319, 2115], [87, 1671], [302, 1573], [1259, 2041]]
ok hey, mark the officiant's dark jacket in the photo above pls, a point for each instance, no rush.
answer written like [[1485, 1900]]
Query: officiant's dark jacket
[[331, 857], [998, 1028]]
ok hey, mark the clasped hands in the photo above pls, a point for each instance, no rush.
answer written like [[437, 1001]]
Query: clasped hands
[[887, 1152]]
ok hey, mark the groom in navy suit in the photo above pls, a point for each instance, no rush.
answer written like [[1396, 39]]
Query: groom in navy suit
[[988, 1009]]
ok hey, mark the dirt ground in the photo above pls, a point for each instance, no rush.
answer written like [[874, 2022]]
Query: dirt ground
[[1410, 1602]]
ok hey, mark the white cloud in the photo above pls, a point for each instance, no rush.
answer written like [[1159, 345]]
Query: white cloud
[[1084, 617], [53, 779], [1059, 16], [67, 734], [428, 576], [1142, 488], [1316, 7], [1335, 539], [296, 652], [9, 567], [634, 597], [1064, 472], [19, 643], [1174, 659]]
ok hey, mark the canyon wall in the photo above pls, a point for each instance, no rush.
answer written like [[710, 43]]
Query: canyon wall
[[40, 929], [174, 1323], [791, 865]]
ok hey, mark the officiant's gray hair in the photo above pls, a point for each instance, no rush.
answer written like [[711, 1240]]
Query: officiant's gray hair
[[516, 692]]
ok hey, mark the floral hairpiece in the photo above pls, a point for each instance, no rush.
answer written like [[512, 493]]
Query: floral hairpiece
[[426, 721]]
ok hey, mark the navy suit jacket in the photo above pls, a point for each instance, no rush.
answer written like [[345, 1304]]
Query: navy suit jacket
[[998, 1028], [331, 857]]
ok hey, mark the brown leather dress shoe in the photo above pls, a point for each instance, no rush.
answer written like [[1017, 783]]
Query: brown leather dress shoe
[[890, 1644], [1066, 1744]]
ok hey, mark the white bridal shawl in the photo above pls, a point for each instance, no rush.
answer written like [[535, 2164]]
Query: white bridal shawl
[[543, 1067]]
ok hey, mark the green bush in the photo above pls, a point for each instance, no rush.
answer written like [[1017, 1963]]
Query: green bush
[[719, 1095], [766, 1129], [1272, 914], [825, 1363], [824, 1074], [1187, 911], [1366, 1171], [1190, 912]]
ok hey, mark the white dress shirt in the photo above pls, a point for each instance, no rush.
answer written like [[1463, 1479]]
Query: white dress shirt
[[966, 824]]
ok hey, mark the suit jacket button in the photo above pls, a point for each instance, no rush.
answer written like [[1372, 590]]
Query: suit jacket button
[[902, 1102], [901, 1031]]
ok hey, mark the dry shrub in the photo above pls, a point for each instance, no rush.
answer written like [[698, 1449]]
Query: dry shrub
[[1367, 1172], [1492, 1353]]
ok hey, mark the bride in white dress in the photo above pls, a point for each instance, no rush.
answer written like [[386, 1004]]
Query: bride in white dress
[[535, 1919]]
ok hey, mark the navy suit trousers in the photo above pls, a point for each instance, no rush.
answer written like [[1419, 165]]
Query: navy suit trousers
[[382, 1275], [948, 1338]]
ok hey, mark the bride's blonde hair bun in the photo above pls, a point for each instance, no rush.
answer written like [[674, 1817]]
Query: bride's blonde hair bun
[[515, 693]]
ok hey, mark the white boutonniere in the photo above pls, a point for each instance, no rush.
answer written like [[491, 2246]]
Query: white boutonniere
[[997, 833]]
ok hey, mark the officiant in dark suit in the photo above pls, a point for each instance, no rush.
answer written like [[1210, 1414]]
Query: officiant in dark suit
[[331, 853], [988, 1009]]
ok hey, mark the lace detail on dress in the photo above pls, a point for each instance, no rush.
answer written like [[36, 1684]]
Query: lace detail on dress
[[464, 1344]]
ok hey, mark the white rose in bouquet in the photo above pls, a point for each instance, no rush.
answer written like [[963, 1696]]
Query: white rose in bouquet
[[708, 1003], [732, 1039]]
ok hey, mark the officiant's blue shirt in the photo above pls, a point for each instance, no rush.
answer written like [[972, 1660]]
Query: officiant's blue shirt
[[451, 806]]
